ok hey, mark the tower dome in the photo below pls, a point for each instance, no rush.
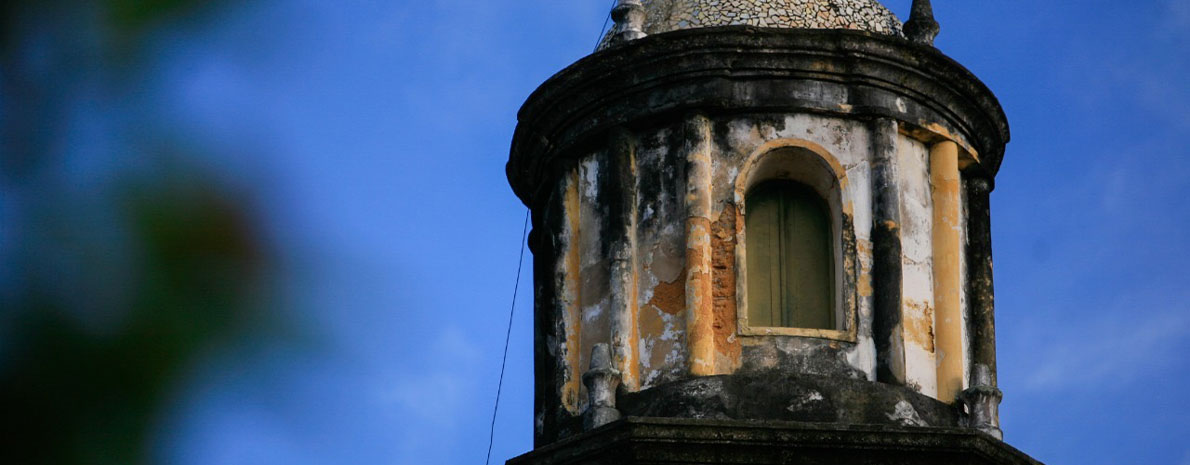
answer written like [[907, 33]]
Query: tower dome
[[864, 15]]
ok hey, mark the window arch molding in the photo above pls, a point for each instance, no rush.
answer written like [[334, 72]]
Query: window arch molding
[[810, 165]]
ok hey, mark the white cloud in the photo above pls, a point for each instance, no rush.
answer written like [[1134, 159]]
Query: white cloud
[[439, 394], [436, 404], [1115, 346]]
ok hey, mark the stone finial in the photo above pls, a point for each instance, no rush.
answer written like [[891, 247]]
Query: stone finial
[[601, 381], [982, 402], [629, 16], [921, 27]]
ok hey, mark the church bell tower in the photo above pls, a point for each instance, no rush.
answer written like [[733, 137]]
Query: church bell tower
[[761, 235]]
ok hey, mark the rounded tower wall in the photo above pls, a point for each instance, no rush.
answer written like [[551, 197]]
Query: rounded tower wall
[[638, 162]]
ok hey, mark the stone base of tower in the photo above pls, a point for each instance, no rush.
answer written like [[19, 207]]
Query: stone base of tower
[[637, 440]]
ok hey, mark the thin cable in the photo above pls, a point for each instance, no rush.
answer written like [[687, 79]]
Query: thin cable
[[603, 30], [507, 336]]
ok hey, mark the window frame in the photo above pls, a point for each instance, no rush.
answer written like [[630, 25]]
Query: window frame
[[809, 164], [799, 268]]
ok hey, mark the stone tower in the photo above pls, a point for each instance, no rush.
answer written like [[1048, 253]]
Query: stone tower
[[761, 235]]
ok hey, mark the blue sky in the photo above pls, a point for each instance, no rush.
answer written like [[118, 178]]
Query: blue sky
[[372, 137]]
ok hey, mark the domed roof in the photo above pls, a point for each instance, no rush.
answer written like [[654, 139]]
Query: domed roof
[[865, 15]]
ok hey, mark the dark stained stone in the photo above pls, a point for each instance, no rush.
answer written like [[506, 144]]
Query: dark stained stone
[[638, 441]]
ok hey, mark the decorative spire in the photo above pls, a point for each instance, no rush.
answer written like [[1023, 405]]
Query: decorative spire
[[629, 16], [921, 27]]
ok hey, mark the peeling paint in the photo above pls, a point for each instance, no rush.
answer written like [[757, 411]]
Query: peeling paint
[[919, 318], [699, 312], [670, 296], [865, 284], [570, 298], [864, 252]]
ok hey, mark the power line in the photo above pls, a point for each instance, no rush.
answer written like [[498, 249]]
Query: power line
[[507, 335], [516, 287], [603, 30]]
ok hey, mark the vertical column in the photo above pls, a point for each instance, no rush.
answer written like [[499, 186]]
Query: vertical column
[[886, 255], [699, 301], [546, 392], [622, 210], [983, 398], [946, 237], [570, 294]]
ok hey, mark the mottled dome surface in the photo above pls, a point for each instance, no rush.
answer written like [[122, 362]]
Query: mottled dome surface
[[865, 15]]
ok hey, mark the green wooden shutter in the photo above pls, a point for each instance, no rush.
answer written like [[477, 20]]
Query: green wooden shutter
[[789, 255]]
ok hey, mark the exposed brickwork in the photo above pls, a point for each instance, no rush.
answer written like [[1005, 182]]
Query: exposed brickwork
[[723, 283], [670, 297]]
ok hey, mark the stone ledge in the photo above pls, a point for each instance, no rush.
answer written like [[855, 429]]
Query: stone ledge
[[639, 440], [778, 396]]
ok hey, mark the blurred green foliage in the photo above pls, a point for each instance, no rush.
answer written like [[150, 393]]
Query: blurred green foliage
[[109, 294], [79, 395], [134, 17]]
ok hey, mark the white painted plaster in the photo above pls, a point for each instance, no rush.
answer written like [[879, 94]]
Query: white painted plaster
[[920, 369], [863, 356], [905, 415], [917, 272], [801, 402]]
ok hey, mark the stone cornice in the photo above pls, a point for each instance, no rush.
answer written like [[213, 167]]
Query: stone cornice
[[637, 440], [741, 69]]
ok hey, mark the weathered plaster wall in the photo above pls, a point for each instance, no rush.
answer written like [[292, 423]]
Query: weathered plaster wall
[[964, 310], [644, 249], [569, 303], [632, 251], [917, 305], [661, 251], [594, 259], [622, 190], [848, 142]]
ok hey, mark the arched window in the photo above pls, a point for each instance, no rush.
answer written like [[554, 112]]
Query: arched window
[[791, 278]]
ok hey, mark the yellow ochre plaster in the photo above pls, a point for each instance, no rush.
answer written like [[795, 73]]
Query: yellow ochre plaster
[[945, 187], [572, 313]]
